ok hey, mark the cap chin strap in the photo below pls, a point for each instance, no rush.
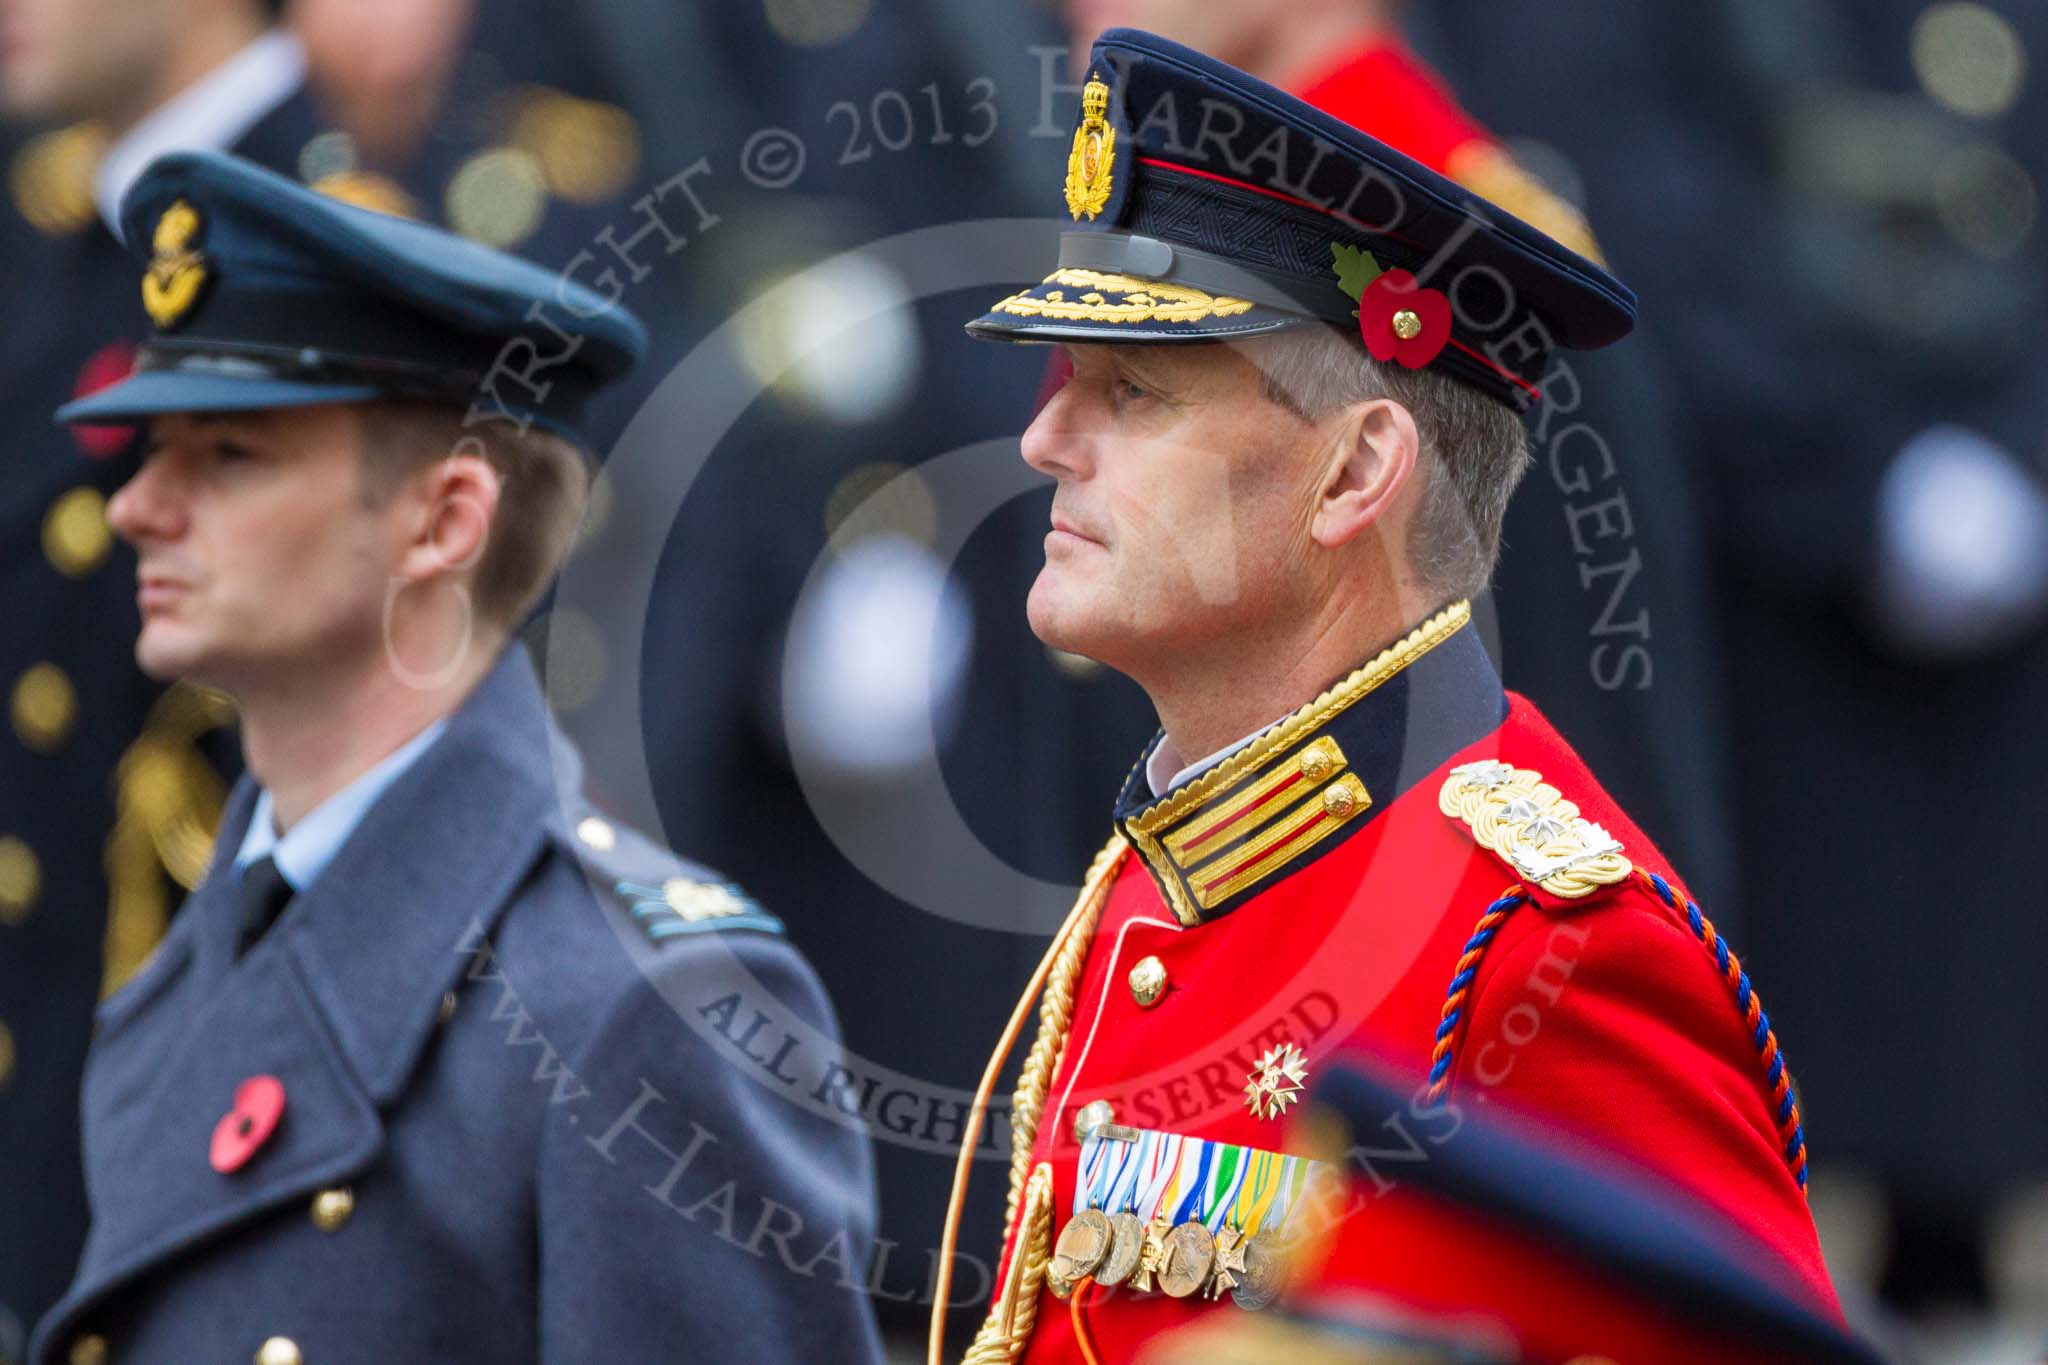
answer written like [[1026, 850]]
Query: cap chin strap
[[567, 396], [304, 365]]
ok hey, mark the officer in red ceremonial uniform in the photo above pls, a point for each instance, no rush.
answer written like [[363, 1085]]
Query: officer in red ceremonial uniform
[[1347, 836]]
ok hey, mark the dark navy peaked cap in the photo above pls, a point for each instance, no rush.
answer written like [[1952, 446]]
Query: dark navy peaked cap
[[266, 294], [1206, 205]]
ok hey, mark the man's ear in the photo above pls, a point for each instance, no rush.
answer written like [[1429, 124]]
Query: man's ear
[[1372, 456], [458, 498]]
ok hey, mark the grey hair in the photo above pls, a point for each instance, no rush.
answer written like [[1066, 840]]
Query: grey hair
[[1475, 449]]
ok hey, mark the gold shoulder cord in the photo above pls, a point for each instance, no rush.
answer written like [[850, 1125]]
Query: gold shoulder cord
[[168, 802], [1008, 1327]]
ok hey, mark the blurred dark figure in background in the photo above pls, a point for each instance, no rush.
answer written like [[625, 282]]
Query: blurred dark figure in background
[[1836, 217], [1600, 599], [383, 68], [496, 120], [109, 786]]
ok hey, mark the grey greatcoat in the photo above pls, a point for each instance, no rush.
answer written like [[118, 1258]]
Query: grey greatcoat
[[550, 1095]]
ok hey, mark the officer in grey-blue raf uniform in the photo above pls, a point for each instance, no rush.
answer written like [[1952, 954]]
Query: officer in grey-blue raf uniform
[[439, 1063]]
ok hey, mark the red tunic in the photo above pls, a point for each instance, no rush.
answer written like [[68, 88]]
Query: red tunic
[[1385, 90], [1604, 1012]]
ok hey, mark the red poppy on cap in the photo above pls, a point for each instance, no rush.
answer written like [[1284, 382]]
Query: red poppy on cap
[[1403, 322]]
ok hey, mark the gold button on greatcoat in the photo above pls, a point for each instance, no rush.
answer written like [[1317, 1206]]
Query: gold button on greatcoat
[[21, 879], [1338, 801], [6, 1056], [587, 151], [44, 706], [90, 1349], [332, 1207], [1315, 765], [75, 534], [447, 1010], [1148, 981], [1092, 1115], [279, 1351], [52, 178]]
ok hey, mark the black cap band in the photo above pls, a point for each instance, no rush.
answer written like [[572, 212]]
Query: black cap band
[[357, 338]]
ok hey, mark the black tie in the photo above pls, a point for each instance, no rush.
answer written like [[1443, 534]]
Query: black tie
[[265, 893]]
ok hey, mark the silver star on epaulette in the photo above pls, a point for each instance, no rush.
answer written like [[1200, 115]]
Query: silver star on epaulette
[[1543, 829], [1520, 811], [696, 901], [1595, 841], [1589, 841], [1487, 773], [1534, 866]]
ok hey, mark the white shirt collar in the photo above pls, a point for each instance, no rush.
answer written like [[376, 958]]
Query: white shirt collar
[[211, 114], [305, 850], [1165, 759]]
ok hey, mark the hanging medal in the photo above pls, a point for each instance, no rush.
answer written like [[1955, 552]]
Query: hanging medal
[[1157, 1171], [1257, 1183], [1266, 1246], [1126, 1232], [1189, 1251], [1085, 1240], [1221, 1213]]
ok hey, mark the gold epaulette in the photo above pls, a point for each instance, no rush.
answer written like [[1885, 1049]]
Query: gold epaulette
[[1514, 813], [1491, 172]]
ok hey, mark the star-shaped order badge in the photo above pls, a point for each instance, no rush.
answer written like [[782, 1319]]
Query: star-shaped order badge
[[1276, 1082]]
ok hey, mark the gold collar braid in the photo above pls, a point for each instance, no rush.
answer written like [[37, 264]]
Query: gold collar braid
[[1155, 829]]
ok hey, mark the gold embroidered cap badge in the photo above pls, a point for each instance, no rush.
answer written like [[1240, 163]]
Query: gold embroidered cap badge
[[1093, 157], [177, 270]]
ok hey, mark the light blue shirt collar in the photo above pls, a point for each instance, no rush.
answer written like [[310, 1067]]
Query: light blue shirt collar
[[305, 850]]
